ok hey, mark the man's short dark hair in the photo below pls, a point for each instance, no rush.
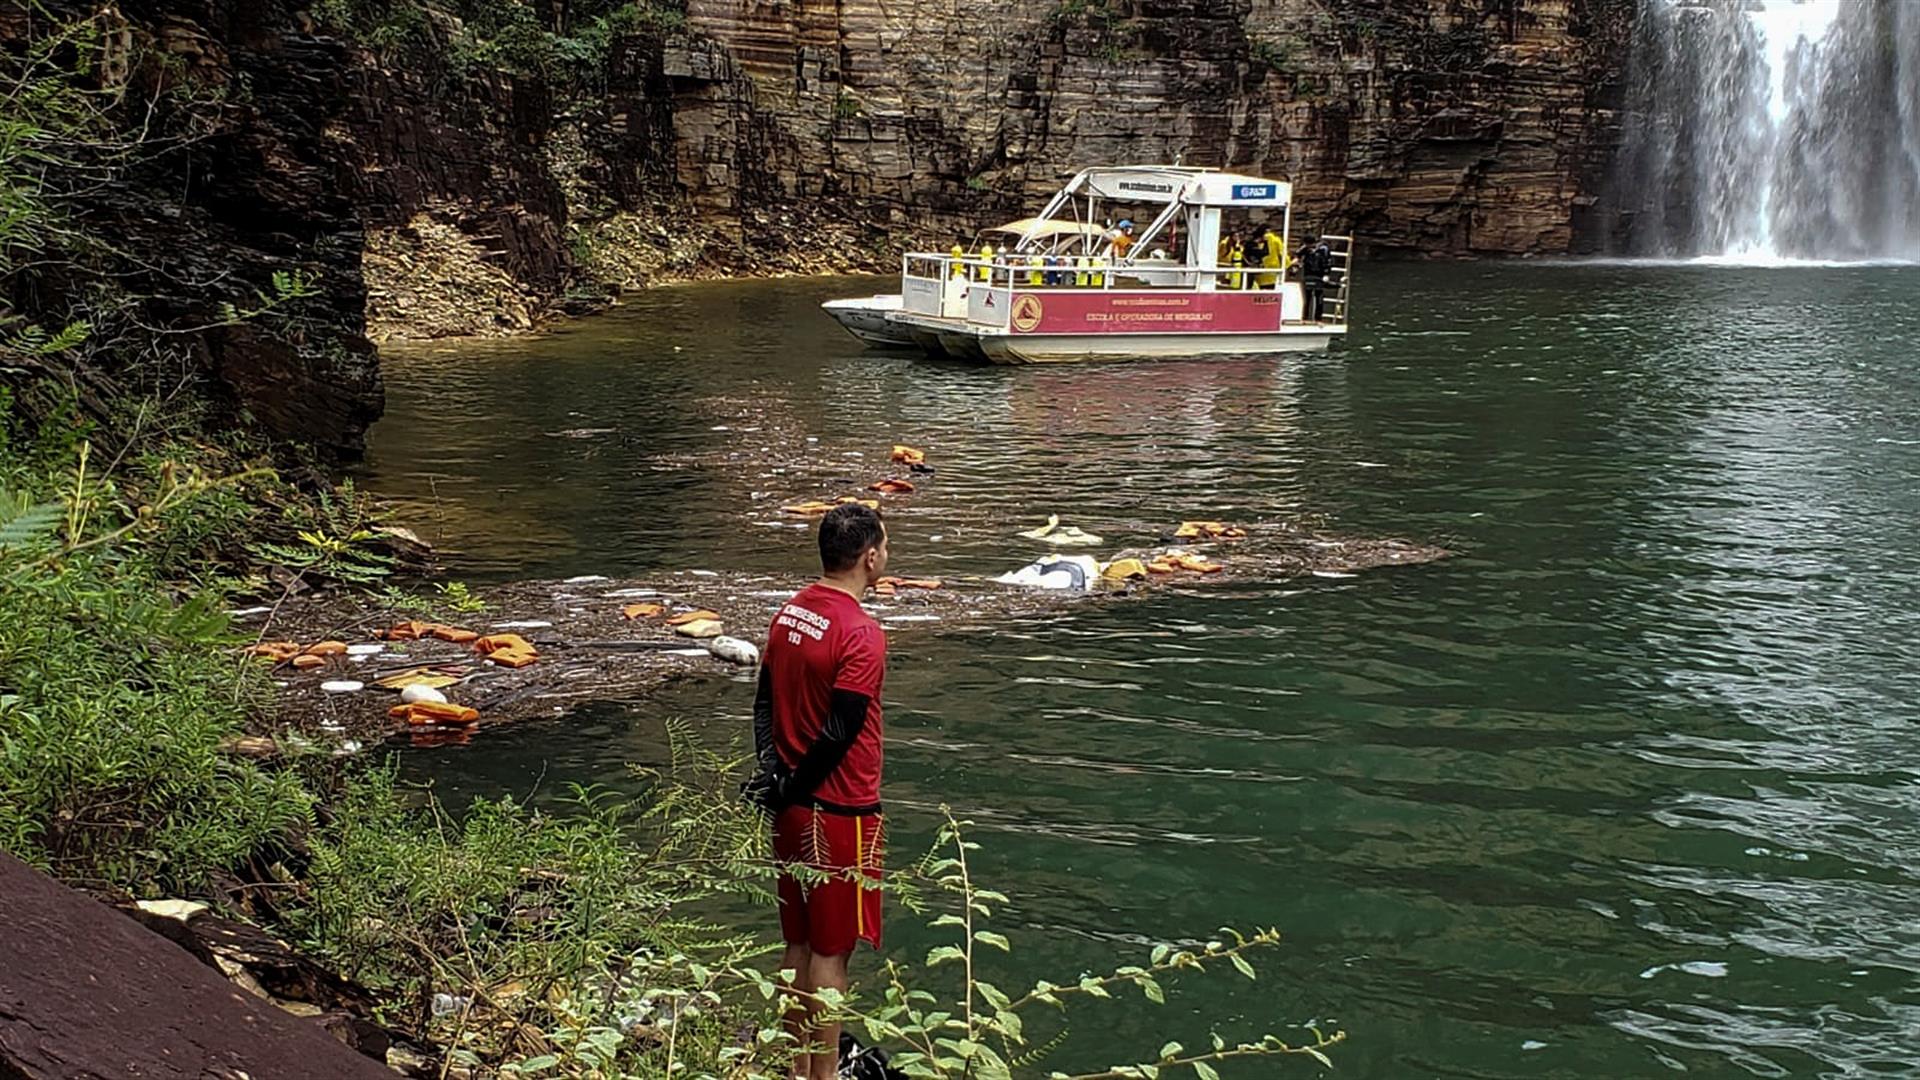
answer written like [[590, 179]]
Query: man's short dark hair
[[846, 533]]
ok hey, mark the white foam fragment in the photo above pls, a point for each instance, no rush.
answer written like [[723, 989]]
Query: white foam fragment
[[620, 593], [247, 612], [523, 624], [584, 579], [1331, 574]]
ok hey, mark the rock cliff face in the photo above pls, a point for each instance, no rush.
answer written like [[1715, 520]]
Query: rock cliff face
[[802, 135], [235, 180], [806, 135], [1423, 126]]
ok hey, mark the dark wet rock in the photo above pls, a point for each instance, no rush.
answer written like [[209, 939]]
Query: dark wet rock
[[86, 991], [229, 194]]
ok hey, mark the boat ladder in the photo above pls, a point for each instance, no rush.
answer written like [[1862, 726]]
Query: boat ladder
[[1333, 306]]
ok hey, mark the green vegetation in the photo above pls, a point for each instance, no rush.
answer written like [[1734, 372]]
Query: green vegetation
[[1462, 47], [580, 942], [1115, 32], [115, 698], [331, 531], [565, 45], [1272, 53]]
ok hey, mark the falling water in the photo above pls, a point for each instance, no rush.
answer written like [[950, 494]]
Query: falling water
[[1770, 130]]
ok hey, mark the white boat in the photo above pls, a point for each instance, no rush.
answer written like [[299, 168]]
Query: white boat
[[1062, 289]]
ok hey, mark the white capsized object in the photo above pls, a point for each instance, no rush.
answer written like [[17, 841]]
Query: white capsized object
[[734, 651], [419, 692], [1074, 573]]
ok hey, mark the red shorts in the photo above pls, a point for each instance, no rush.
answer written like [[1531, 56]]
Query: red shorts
[[830, 916]]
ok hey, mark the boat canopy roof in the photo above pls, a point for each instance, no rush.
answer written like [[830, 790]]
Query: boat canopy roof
[[1043, 228], [1176, 183]]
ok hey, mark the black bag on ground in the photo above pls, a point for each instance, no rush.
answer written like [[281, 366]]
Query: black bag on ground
[[864, 1062]]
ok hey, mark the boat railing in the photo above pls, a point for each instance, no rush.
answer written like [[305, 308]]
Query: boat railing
[[935, 283]]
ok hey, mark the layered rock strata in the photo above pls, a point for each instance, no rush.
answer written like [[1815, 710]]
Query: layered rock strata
[[805, 136]]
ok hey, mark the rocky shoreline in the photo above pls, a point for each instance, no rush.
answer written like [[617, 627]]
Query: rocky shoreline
[[428, 280]]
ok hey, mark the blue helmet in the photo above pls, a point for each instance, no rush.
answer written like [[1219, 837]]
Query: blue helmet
[[1126, 223]]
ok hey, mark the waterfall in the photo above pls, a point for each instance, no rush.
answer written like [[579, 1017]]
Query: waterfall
[[1770, 130]]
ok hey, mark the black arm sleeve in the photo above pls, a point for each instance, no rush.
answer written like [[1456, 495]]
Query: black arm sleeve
[[763, 748], [846, 718]]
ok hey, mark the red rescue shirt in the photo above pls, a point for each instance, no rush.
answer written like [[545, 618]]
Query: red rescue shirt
[[821, 641]]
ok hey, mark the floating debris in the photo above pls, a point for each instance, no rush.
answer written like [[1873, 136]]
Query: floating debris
[[590, 651], [1208, 530], [507, 650], [437, 713], [734, 651], [814, 507], [1061, 535], [416, 676]]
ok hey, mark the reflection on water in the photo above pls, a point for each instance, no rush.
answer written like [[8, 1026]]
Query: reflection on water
[[1629, 786]]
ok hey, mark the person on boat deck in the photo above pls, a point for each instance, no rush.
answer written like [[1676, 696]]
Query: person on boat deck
[[1121, 238], [1272, 250], [1316, 262], [1054, 273], [958, 252], [1233, 255]]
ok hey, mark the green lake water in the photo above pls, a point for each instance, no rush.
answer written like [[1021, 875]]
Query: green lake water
[[1629, 787]]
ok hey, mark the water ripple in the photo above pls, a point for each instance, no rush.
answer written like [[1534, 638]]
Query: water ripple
[[1658, 719]]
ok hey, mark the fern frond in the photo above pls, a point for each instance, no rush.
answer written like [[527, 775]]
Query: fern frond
[[24, 522]]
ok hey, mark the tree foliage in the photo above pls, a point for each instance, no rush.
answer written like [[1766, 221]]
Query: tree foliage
[[564, 45]]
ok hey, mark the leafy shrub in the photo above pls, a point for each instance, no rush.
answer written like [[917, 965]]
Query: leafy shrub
[[114, 705]]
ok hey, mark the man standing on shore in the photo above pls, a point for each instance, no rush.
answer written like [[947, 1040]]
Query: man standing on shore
[[817, 736]]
